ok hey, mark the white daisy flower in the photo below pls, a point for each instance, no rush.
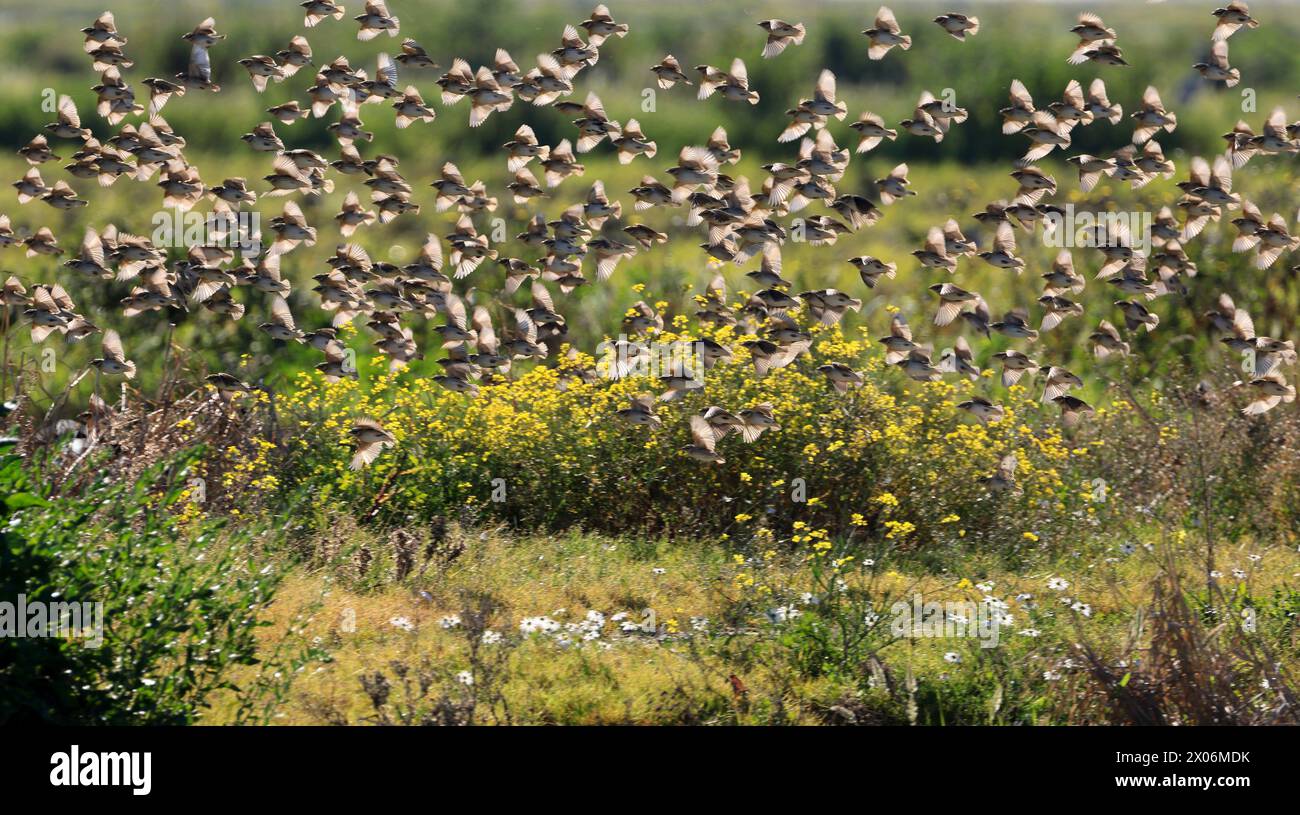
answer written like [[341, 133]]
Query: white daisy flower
[[782, 613]]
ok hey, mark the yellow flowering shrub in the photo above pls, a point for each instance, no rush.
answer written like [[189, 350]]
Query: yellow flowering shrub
[[544, 448]]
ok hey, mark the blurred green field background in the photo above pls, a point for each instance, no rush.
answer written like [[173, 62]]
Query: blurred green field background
[[41, 49]]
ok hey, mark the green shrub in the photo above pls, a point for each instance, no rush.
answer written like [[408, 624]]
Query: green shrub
[[181, 602]]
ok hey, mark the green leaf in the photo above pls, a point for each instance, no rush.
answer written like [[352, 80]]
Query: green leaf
[[22, 500]]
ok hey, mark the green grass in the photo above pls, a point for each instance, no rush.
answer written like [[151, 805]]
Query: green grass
[[594, 311], [679, 675]]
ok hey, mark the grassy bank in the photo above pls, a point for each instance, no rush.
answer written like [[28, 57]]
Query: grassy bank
[[651, 633]]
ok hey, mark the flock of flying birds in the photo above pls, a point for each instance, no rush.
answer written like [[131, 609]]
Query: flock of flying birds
[[741, 222]]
